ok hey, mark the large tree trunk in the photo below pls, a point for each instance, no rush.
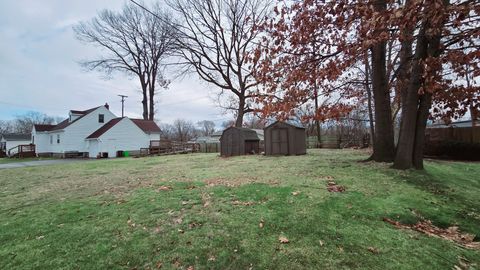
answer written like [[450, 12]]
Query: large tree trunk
[[144, 98], [434, 50], [410, 151], [421, 125], [241, 112], [406, 141], [151, 113], [384, 144]]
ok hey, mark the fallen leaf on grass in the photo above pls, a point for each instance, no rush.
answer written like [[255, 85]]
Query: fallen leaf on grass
[[164, 188], [191, 268], [451, 233], [130, 223], [212, 258], [261, 224], [283, 240], [194, 224], [237, 202], [159, 265], [295, 193], [321, 243], [40, 237], [373, 250], [333, 187]]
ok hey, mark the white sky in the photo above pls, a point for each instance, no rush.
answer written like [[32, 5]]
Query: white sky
[[39, 69]]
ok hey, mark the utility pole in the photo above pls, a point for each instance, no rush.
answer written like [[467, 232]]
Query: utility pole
[[123, 101]]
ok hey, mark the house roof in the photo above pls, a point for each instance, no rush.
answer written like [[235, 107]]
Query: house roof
[[65, 123], [99, 132], [42, 128], [17, 137], [148, 126]]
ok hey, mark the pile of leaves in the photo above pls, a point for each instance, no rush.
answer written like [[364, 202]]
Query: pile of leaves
[[451, 233], [333, 187]]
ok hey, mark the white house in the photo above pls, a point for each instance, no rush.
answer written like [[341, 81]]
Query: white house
[[94, 132], [12, 140]]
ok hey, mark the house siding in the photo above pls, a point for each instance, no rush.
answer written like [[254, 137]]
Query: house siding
[[72, 138], [124, 136]]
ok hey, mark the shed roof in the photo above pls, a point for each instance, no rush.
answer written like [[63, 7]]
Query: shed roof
[[249, 134], [17, 137], [292, 123]]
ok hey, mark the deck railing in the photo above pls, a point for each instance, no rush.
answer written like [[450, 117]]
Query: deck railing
[[22, 151]]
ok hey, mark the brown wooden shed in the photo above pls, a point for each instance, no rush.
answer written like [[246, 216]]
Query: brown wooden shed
[[239, 141], [285, 138]]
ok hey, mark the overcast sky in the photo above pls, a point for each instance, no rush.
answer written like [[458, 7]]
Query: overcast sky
[[39, 69]]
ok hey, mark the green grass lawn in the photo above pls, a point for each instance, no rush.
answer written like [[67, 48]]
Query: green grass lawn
[[116, 214]]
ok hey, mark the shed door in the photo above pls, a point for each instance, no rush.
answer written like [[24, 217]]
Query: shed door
[[280, 141], [251, 147]]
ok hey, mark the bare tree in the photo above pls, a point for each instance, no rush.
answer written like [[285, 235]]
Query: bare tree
[[24, 123], [135, 42], [6, 126], [216, 37], [207, 127], [184, 130], [167, 131]]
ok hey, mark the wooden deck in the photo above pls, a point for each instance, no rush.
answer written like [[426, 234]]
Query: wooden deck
[[22, 151]]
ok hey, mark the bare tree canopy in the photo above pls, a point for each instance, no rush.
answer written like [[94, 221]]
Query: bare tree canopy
[[207, 127], [24, 123], [215, 39], [135, 42]]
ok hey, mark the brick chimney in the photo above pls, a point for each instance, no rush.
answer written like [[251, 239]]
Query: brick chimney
[[107, 106]]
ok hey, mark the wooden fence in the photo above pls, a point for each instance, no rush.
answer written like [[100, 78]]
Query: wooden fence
[[458, 134], [166, 147], [335, 142], [209, 147]]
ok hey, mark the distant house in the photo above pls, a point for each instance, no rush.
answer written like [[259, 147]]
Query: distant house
[[94, 132], [12, 140]]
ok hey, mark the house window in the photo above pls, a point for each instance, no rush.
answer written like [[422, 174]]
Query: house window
[[101, 118], [51, 139], [58, 138]]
